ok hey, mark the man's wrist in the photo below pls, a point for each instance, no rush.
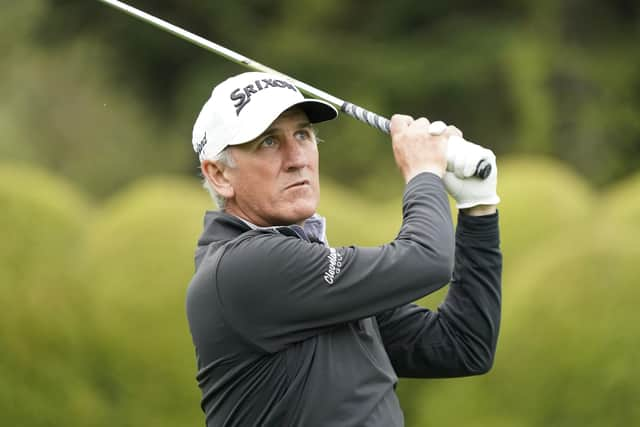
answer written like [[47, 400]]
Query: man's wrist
[[434, 170], [479, 210]]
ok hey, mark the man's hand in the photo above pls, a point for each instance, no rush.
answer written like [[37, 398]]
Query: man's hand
[[474, 197], [415, 149], [476, 193]]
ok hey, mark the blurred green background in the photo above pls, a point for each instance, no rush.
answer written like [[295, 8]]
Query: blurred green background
[[101, 203]]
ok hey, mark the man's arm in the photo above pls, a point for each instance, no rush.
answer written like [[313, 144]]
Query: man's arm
[[276, 289], [460, 338]]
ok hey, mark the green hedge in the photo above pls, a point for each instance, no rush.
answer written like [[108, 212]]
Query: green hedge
[[567, 347], [42, 321], [540, 198], [93, 330], [140, 260]]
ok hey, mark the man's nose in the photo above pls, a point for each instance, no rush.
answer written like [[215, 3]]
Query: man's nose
[[296, 157]]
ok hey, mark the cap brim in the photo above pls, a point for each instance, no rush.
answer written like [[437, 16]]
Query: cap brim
[[316, 110]]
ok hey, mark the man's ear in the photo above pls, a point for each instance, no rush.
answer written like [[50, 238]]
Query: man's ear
[[217, 175]]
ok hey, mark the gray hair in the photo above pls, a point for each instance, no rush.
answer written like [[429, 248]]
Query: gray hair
[[225, 159]]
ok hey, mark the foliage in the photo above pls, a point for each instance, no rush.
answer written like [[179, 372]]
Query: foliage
[[93, 329], [42, 224], [540, 198], [139, 256], [60, 110], [566, 344], [115, 99], [95, 257], [621, 207]]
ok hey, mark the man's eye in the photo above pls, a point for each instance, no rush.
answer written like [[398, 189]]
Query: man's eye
[[269, 141], [303, 135]]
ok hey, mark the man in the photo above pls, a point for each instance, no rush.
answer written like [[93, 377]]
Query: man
[[289, 331]]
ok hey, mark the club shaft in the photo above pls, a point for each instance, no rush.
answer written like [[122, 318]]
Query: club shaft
[[227, 53], [372, 119]]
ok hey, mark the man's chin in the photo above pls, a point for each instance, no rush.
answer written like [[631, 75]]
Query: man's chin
[[300, 212]]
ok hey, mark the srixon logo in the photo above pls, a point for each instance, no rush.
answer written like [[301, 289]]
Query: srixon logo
[[242, 96], [201, 144]]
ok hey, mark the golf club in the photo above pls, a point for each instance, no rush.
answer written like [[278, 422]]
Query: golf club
[[483, 168]]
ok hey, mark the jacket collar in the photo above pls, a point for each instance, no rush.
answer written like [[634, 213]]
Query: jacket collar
[[220, 226]]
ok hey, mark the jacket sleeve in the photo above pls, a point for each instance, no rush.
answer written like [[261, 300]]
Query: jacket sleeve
[[460, 338], [276, 289]]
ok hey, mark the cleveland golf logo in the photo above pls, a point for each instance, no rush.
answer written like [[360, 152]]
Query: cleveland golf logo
[[242, 96], [335, 264]]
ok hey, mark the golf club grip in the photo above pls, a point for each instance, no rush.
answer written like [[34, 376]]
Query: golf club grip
[[366, 116], [483, 169]]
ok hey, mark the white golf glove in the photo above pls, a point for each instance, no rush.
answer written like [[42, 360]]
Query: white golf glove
[[466, 189], [463, 158]]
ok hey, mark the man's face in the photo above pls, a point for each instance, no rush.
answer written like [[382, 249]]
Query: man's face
[[275, 177]]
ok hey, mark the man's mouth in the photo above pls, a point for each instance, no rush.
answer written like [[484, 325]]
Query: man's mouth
[[298, 183]]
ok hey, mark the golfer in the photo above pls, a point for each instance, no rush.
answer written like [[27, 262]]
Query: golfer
[[290, 331]]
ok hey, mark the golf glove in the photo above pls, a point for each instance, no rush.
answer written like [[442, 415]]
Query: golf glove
[[467, 190], [463, 156]]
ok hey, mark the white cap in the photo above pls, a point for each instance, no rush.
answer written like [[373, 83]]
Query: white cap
[[242, 107]]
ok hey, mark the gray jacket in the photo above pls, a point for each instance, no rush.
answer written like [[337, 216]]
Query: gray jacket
[[289, 332]]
